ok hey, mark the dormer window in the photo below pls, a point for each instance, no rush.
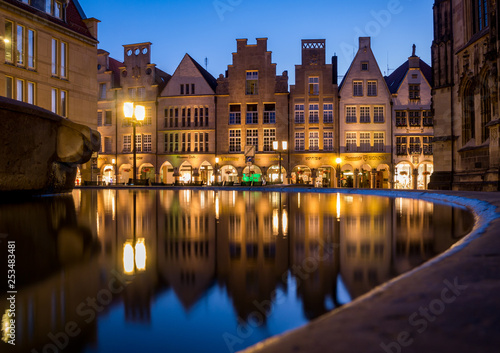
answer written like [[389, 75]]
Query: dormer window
[[54, 8]]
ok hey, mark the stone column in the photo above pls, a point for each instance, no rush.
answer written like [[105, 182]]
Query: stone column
[[313, 176], [356, 178], [373, 175], [415, 179]]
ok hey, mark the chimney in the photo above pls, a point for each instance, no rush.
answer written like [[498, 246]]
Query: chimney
[[91, 24], [335, 70], [364, 42], [414, 60]]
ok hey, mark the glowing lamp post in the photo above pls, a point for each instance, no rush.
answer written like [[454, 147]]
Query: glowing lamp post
[[216, 171], [136, 115], [338, 161], [284, 146]]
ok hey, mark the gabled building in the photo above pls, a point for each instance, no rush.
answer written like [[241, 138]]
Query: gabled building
[[465, 61], [413, 131], [135, 80], [313, 116], [186, 125], [48, 58], [252, 112], [365, 123]]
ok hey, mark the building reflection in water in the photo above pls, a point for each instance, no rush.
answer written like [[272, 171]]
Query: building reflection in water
[[247, 244]]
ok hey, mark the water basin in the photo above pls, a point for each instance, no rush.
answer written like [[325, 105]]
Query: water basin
[[204, 270]]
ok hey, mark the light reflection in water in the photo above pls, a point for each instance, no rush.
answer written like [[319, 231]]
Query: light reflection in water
[[204, 261]]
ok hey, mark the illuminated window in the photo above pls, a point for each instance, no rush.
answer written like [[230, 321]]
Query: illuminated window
[[299, 141], [269, 114], [252, 82], [252, 114], [351, 142], [20, 90], [313, 113], [148, 116], [364, 142], [20, 45], [31, 48], [414, 91], [378, 114], [127, 143], [357, 88], [364, 114], [54, 56], [328, 113], [299, 113], [168, 145], [8, 40], [401, 118], [401, 147], [196, 141], [350, 116], [234, 140], [53, 100], [31, 98], [427, 145], [146, 142], [313, 141], [328, 141], [269, 137], [378, 142], [253, 138], [372, 88], [415, 118], [314, 85], [428, 119], [138, 143], [62, 60], [234, 114], [415, 144]]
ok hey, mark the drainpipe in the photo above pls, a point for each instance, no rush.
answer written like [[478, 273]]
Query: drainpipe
[[452, 103], [391, 182]]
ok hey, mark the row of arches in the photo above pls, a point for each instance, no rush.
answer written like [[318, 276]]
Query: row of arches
[[405, 176]]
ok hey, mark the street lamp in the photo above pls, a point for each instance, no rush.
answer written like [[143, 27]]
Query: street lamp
[[134, 250], [216, 176], [284, 146], [338, 161], [136, 115]]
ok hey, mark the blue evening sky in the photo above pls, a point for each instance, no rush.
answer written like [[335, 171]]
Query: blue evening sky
[[209, 29]]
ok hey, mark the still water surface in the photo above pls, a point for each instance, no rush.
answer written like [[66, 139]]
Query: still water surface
[[203, 270]]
